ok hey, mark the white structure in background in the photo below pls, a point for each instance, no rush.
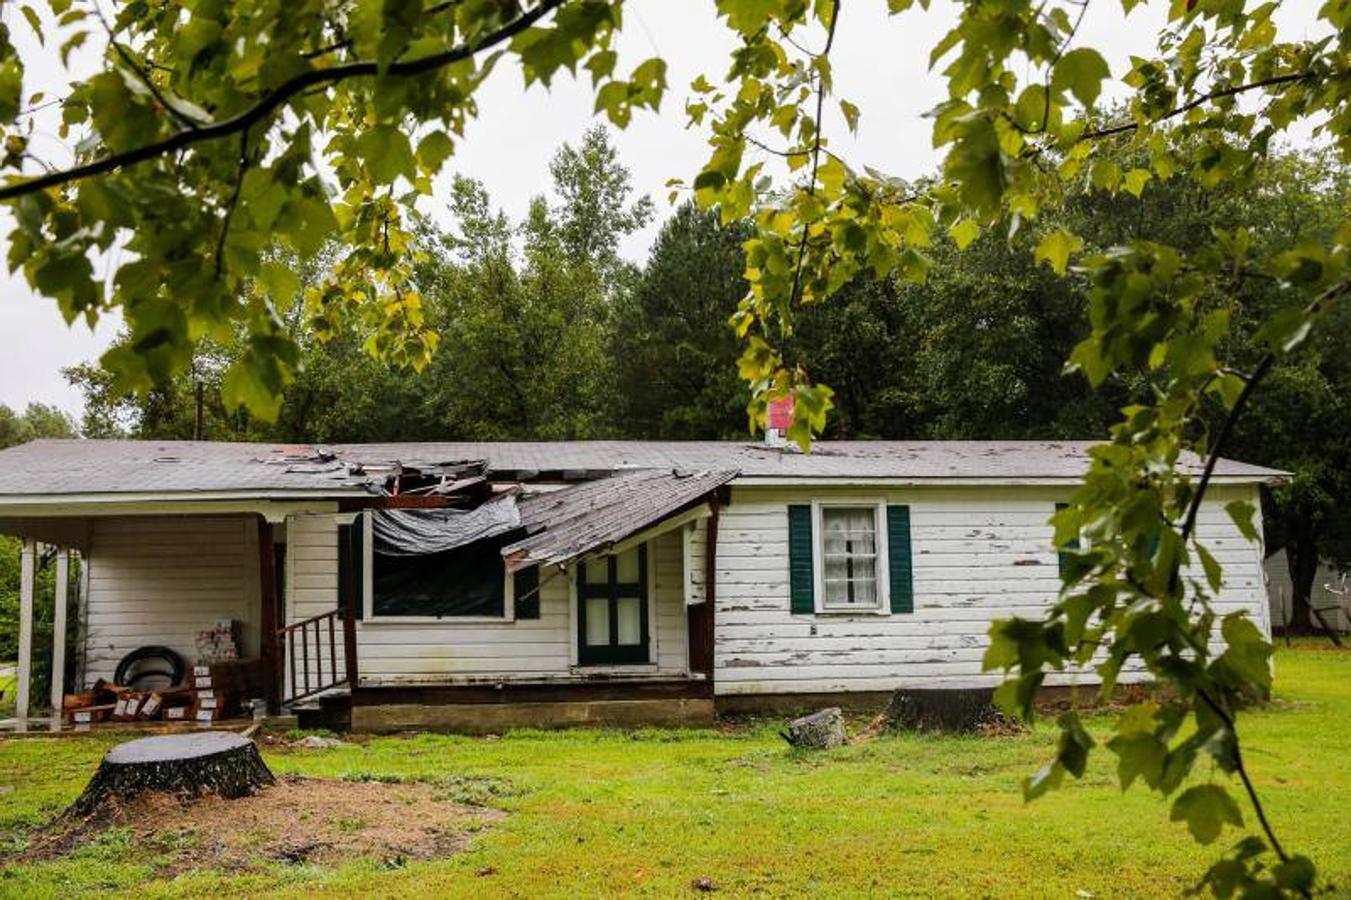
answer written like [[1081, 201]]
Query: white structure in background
[[1331, 593]]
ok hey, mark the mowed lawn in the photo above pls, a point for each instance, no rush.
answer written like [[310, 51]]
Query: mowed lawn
[[595, 813]]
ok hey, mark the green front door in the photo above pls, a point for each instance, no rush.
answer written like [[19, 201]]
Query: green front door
[[612, 625]]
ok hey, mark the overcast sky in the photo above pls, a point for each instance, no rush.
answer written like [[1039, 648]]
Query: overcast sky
[[881, 64]]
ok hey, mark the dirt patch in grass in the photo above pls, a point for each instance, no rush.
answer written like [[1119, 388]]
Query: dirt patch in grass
[[297, 820]]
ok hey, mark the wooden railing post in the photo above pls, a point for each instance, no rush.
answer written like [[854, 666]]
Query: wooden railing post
[[711, 584], [272, 649], [350, 593]]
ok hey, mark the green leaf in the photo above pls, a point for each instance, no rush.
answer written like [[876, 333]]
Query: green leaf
[[963, 232], [1139, 755], [1214, 574], [387, 153], [1295, 875], [1046, 778], [850, 112], [1135, 181], [280, 281], [1081, 71], [433, 150], [1075, 742], [1056, 248], [244, 387], [1285, 330], [976, 164], [1206, 809], [1242, 512], [1246, 660]]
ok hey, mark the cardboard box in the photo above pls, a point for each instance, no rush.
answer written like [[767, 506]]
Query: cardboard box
[[87, 715], [150, 708]]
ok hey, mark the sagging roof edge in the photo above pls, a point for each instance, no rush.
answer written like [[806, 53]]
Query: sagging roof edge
[[515, 561]]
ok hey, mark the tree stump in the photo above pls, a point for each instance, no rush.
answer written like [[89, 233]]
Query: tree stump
[[818, 731], [209, 762], [951, 709]]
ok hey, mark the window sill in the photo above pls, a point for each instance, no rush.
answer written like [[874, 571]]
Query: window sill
[[867, 613], [379, 621], [613, 668]]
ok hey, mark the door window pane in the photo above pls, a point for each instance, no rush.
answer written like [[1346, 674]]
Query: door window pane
[[849, 552], [627, 567], [597, 621], [612, 610], [630, 621], [597, 571]]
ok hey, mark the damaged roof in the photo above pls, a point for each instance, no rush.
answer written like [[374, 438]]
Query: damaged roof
[[85, 467], [594, 516]]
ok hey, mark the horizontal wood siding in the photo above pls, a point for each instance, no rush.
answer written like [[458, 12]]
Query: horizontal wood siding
[[390, 652], [162, 579], [671, 650], [1336, 609], [311, 590], [980, 554]]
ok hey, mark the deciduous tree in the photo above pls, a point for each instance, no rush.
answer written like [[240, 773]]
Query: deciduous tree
[[218, 129]]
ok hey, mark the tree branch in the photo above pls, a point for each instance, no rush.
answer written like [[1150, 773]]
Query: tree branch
[[273, 101], [1253, 380], [1199, 101], [233, 202], [816, 149], [142, 76], [1248, 786]]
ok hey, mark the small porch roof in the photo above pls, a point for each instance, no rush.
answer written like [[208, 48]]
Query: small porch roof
[[568, 524]]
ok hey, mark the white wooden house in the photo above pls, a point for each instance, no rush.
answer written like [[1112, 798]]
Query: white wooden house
[[487, 585]]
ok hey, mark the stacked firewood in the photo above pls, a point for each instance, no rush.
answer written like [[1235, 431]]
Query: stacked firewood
[[211, 692]]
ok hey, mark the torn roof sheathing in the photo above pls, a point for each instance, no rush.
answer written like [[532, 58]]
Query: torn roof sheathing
[[595, 515], [419, 532]]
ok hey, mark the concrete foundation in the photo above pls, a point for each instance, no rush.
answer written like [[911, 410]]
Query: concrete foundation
[[487, 718]]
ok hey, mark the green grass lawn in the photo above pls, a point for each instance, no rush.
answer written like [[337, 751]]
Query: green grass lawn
[[604, 812]]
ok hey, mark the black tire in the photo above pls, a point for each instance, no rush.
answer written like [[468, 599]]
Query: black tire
[[171, 666]]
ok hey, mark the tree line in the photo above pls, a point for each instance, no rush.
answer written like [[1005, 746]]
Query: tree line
[[548, 333]]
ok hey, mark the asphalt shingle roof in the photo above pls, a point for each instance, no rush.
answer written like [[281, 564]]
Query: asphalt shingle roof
[[57, 467], [599, 514]]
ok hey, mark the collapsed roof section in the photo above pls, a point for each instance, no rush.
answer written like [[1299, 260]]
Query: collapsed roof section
[[594, 516]]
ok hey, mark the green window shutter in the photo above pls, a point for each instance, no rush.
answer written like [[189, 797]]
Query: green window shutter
[[525, 588], [801, 581], [899, 559], [1065, 549], [351, 562]]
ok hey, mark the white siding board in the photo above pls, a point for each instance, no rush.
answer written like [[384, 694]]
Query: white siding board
[[393, 652], [160, 580], [979, 554]]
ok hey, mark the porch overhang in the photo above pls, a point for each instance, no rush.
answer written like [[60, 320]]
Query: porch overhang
[[607, 514]]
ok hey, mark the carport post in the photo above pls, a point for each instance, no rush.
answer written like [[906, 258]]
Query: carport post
[[27, 561], [60, 601]]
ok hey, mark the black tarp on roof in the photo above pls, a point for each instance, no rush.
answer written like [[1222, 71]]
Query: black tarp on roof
[[419, 532]]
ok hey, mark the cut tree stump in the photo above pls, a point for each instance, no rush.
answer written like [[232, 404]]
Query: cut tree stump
[[209, 762], [949, 709], [818, 731]]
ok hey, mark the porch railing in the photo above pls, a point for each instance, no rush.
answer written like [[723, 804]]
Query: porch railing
[[311, 645]]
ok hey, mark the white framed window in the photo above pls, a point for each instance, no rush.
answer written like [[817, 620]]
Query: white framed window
[[850, 556]]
